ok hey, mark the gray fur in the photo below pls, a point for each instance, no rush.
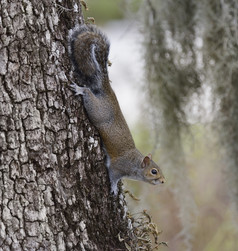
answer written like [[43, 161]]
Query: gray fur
[[89, 50]]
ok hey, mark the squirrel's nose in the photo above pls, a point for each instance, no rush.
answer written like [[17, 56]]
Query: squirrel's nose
[[162, 180]]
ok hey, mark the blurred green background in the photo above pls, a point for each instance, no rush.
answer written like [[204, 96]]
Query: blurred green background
[[105, 10], [214, 227]]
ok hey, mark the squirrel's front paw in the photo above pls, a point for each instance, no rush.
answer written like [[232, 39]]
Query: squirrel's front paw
[[114, 189]]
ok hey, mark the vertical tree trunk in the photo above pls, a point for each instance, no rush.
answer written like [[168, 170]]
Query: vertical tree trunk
[[54, 187]]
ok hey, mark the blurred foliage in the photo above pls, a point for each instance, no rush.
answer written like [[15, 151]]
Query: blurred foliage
[[104, 10], [172, 78], [220, 59], [142, 136], [213, 230], [108, 10], [177, 66]]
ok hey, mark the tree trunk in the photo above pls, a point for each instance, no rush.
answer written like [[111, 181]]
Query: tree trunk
[[54, 187]]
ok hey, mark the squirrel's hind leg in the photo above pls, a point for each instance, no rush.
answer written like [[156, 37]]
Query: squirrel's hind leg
[[78, 90]]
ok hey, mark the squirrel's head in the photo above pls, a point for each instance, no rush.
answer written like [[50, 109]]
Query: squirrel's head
[[151, 172]]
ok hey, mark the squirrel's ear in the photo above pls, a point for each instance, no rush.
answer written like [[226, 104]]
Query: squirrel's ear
[[150, 156], [145, 162]]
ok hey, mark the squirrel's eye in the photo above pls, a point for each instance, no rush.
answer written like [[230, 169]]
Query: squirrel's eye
[[154, 171]]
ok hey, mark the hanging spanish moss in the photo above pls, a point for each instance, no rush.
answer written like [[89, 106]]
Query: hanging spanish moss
[[219, 30], [172, 76], [175, 71]]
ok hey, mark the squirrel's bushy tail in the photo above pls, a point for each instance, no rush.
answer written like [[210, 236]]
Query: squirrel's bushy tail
[[89, 49]]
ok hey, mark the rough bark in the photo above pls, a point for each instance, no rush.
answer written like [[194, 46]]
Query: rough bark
[[54, 187]]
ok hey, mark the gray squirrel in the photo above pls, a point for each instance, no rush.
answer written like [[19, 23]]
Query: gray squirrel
[[89, 49]]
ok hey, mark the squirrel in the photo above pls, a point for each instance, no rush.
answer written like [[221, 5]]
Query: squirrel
[[88, 50]]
